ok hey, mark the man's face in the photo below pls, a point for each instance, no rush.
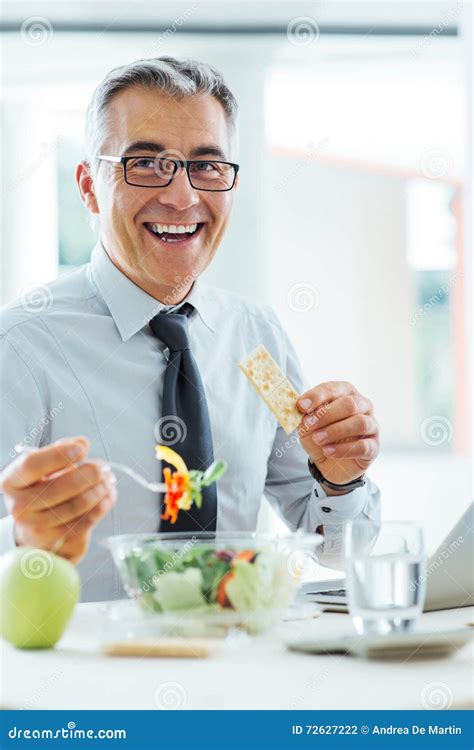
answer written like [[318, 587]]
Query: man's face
[[193, 128]]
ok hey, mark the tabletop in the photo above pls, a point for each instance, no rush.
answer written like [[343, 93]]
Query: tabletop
[[244, 672]]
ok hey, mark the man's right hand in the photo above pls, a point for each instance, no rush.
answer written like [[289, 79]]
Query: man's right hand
[[55, 502]]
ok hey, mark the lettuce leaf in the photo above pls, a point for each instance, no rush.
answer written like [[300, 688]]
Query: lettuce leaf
[[177, 591]]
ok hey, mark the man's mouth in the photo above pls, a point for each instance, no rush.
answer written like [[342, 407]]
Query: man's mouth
[[174, 233]]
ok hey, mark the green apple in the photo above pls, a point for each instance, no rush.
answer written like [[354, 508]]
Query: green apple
[[38, 593]]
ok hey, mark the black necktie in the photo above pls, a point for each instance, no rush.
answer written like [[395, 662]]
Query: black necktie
[[184, 399]]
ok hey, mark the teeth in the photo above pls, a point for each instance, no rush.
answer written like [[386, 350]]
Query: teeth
[[173, 228]]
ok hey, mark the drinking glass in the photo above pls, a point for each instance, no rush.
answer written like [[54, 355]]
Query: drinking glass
[[386, 575]]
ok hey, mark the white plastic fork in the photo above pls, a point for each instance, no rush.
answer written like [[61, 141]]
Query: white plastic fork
[[153, 486]]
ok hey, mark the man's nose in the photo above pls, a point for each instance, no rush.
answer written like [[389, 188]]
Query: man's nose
[[179, 193]]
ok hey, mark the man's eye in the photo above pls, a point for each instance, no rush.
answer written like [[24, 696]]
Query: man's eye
[[144, 163], [203, 166]]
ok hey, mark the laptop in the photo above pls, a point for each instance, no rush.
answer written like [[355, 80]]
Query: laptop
[[449, 571]]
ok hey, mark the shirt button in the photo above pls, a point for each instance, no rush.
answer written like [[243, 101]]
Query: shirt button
[[325, 509]]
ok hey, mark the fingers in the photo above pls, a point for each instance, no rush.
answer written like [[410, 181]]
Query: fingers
[[336, 411], [323, 394], [52, 492], [69, 540], [26, 503], [29, 468], [361, 425], [54, 502], [76, 507], [365, 449], [77, 541]]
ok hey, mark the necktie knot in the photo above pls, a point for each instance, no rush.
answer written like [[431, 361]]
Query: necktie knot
[[172, 328]]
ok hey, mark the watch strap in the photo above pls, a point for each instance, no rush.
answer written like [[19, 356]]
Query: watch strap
[[319, 477]]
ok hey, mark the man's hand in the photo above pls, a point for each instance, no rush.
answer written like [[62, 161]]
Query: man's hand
[[55, 502], [339, 431]]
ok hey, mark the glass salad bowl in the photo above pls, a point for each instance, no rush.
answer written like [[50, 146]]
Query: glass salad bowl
[[207, 583]]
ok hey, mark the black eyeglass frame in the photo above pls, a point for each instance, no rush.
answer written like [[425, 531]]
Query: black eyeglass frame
[[178, 163]]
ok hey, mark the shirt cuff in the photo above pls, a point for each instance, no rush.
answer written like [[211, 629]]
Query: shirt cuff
[[334, 510], [7, 535]]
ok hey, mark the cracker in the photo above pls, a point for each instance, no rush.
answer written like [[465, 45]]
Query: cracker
[[273, 387], [167, 647]]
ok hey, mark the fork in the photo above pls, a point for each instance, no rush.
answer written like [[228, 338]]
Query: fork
[[152, 486]]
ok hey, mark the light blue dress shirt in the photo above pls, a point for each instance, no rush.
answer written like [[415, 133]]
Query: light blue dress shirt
[[86, 362]]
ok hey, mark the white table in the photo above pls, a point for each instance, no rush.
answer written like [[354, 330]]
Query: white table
[[254, 673]]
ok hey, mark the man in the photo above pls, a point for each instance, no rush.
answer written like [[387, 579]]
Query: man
[[134, 349]]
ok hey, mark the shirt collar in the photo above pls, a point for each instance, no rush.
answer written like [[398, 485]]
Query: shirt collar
[[129, 305]]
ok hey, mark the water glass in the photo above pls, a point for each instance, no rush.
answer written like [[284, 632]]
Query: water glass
[[386, 575]]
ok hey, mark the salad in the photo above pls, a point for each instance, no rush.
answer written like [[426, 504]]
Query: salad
[[184, 486], [205, 578]]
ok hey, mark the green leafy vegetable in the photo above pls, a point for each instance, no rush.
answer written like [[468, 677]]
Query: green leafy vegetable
[[213, 473], [176, 591], [168, 580], [200, 479]]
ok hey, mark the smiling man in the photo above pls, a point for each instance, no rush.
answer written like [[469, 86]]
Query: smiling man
[[135, 348]]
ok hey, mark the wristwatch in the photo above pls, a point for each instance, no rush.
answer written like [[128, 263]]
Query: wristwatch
[[316, 474]]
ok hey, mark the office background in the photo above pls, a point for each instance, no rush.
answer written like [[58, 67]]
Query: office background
[[353, 215]]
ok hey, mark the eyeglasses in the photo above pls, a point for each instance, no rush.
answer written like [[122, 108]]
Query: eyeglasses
[[158, 172]]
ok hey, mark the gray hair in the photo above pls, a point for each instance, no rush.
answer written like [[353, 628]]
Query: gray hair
[[177, 77]]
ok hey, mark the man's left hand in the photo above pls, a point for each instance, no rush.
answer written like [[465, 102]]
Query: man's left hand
[[339, 432]]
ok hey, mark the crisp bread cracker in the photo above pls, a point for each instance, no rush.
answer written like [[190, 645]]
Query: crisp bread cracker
[[171, 647], [273, 387]]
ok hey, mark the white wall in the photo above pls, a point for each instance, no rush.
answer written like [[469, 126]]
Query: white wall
[[339, 236], [29, 200]]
